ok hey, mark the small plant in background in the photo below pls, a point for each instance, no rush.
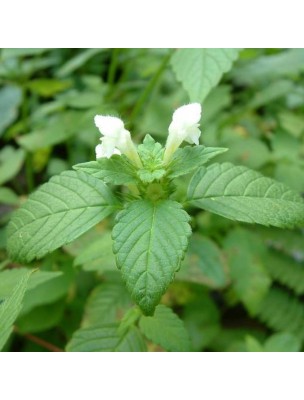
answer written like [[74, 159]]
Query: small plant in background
[[149, 197]]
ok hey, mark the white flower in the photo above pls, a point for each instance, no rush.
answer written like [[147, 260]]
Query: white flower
[[184, 127], [115, 138], [101, 151]]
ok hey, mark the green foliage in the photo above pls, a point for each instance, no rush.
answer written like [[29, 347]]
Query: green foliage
[[106, 338], [165, 329], [11, 161], [59, 212], [188, 159], [200, 70], [241, 194], [236, 287], [250, 283], [141, 229], [10, 308], [116, 170], [10, 100]]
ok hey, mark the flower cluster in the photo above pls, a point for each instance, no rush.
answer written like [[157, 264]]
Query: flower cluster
[[117, 140]]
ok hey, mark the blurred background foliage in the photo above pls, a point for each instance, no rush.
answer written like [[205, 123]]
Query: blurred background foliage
[[240, 287]]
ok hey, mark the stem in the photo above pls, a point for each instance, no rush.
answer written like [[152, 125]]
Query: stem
[[40, 342], [149, 88]]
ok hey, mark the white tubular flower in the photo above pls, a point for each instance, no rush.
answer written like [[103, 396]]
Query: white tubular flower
[[184, 127], [115, 138], [102, 151]]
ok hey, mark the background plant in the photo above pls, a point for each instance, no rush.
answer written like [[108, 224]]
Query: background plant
[[239, 287]]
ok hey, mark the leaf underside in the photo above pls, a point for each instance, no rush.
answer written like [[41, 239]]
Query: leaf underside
[[150, 240], [242, 194], [57, 213]]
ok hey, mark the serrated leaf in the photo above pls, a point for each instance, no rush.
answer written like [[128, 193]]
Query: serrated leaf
[[279, 309], [242, 194], [150, 240], [204, 263], [106, 338], [150, 176], [116, 170], [165, 329], [106, 304], [57, 213], [200, 70], [10, 308], [250, 279], [189, 158]]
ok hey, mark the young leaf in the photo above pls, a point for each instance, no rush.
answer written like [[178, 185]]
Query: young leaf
[[116, 170], [10, 308], [241, 194], [57, 213], [150, 240], [151, 154], [200, 70], [165, 329], [106, 338], [189, 158]]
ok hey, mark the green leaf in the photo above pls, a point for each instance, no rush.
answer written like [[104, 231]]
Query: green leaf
[[271, 67], [279, 309], [10, 308], [204, 263], [10, 100], [76, 62], [10, 278], [107, 303], [272, 92], [150, 240], [57, 213], [241, 194], [55, 286], [106, 338], [250, 279], [7, 196], [117, 170], [165, 329], [285, 270], [202, 320], [189, 158], [200, 70], [8, 53], [98, 255], [11, 161], [41, 318], [253, 345], [48, 87], [45, 137], [283, 341]]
